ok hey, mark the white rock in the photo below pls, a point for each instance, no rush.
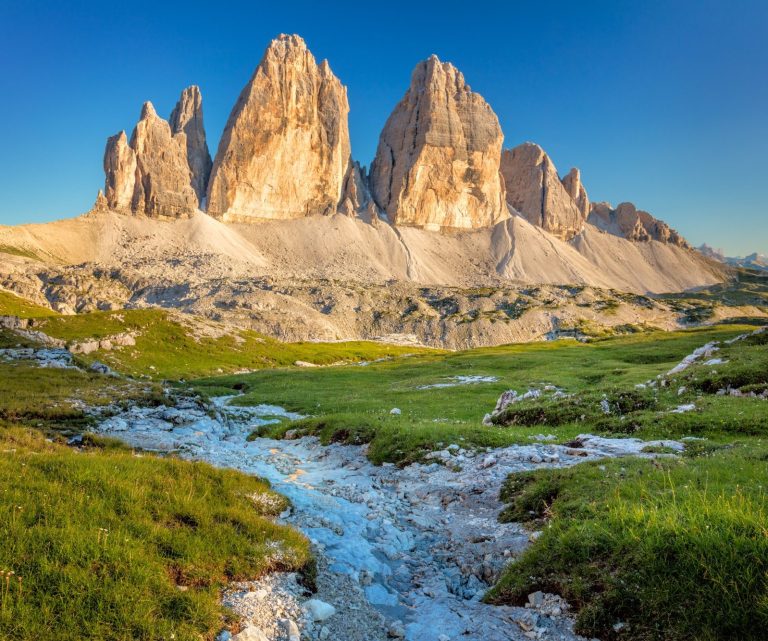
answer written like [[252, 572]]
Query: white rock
[[251, 633], [395, 411], [319, 610], [290, 629]]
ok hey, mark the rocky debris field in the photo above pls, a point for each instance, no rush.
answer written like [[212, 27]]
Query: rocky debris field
[[403, 553]]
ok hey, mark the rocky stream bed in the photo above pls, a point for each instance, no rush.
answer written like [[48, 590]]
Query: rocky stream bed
[[402, 553]]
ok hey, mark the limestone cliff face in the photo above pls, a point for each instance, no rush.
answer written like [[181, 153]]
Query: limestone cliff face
[[437, 163], [119, 172], [285, 149], [187, 118], [163, 177], [534, 189], [633, 224], [356, 200], [160, 171]]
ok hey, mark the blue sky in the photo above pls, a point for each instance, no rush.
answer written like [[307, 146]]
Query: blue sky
[[661, 103]]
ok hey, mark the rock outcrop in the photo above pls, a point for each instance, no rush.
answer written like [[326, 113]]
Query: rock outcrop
[[437, 163], [356, 198], [572, 184], [160, 172], [187, 118], [633, 224], [119, 172], [163, 177], [285, 149], [535, 191]]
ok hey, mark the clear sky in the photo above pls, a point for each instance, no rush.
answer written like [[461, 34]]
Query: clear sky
[[661, 103]]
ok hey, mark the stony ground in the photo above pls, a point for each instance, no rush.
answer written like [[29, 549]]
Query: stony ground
[[403, 553]]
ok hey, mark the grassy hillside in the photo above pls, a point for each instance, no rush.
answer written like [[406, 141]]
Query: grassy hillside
[[105, 545], [12, 305], [667, 549], [172, 346], [671, 548]]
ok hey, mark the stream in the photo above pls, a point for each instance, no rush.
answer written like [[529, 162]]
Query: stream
[[403, 553]]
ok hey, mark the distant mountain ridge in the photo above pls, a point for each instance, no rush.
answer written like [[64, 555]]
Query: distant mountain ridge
[[751, 261]]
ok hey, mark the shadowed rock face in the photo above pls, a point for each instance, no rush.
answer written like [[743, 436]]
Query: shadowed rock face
[[633, 224], [187, 118], [159, 172], [534, 189], [285, 149], [437, 163]]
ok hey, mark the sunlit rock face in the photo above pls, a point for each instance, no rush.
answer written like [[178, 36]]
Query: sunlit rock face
[[285, 150], [633, 224], [575, 189], [119, 172], [162, 170], [187, 119], [437, 163], [535, 191]]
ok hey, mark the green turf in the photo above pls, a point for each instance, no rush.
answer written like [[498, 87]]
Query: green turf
[[105, 545], [353, 403], [676, 548], [168, 348], [12, 305], [52, 399]]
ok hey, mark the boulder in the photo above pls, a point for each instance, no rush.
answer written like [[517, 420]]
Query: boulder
[[437, 162], [250, 633], [319, 610], [285, 149]]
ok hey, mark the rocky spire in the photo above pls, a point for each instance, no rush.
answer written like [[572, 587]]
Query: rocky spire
[[119, 172], [161, 172], [535, 191], [285, 149], [572, 184], [163, 177], [187, 118], [437, 163]]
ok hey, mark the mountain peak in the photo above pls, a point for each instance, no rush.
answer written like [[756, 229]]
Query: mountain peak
[[285, 149], [437, 163]]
